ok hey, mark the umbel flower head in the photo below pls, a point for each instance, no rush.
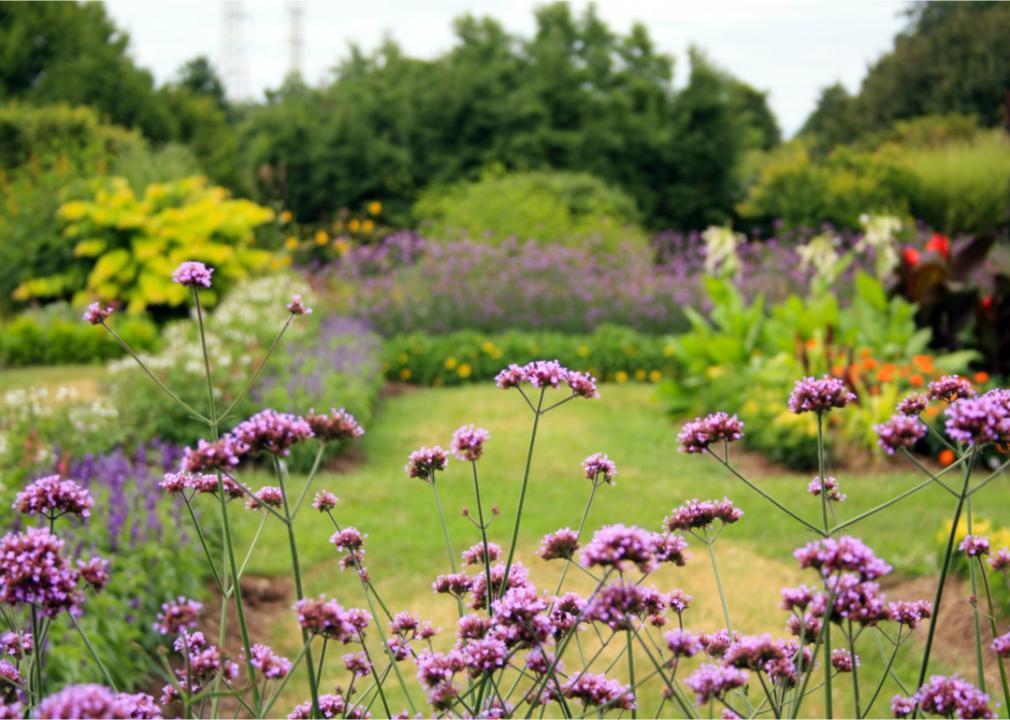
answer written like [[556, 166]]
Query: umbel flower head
[[53, 496], [297, 307], [96, 314], [902, 430], [468, 442], [272, 431], [819, 395], [698, 434], [950, 388], [548, 374], [193, 274], [980, 420], [423, 462], [599, 466], [35, 572], [337, 426], [97, 701], [699, 514]]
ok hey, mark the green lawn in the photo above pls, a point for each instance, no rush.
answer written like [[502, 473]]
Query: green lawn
[[405, 548], [83, 378]]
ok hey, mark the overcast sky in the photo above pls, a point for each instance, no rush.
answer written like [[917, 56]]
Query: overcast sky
[[790, 48]]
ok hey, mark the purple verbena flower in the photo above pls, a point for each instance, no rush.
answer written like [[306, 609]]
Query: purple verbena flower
[[598, 690], [35, 572], [713, 681], [617, 545], [953, 697], [16, 644], [699, 514], [582, 384], [268, 495], [178, 615], [913, 405], [468, 443], [193, 274], [974, 545], [96, 314], [357, 664], [272, 665], [599, 466], [898, 432], [1000, 561], [272, 432], [474, 555], [819, 395], [97, 701], [339, 425], [910, 613], [94, 573], [950, 388], [53, 496], [698, 434], [558, 545], [845, 553], [324, 501], [297, 307], [830, 485], [425, 461], [545, 373], [682, 643], [222, 454], [843, 661], [979, 420]]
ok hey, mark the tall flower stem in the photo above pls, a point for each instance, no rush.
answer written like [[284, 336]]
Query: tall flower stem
[[944, 568], [445, 535], [522, 491], [631, 672], [578, 536], [483, 539], [296, 570], [976, 620], [827, 531], [229, 543], [995, 632], [718, 583], [855, 669], [92, 651]]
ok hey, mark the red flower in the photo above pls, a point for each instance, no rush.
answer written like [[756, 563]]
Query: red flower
[[911, 255], [940, 244], [987, 302]]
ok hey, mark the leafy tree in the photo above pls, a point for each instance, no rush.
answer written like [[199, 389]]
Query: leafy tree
[[200, 78], [834, 121]]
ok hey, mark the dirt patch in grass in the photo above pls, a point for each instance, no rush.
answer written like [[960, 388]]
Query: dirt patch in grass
[[347, 461], [267, 603], [396, 389]]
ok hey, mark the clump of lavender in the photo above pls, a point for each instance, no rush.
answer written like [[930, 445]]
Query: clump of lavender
[[697, 435], [53, 497], [468, 443], [193, 274], [819, 395], [902, 430]]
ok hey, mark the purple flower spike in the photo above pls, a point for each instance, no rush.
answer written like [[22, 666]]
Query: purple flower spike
[[193, 274]]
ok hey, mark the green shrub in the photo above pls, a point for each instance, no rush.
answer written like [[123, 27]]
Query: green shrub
[[549, 207], [610, 353], [57, 336], [962, 186], [129, 246], [795, 188]]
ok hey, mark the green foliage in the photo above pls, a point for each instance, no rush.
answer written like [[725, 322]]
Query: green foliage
[[57, 336], [962, 186], [745, 358], [834, 120], [574, 96], [794, 187], [129, 246], [610, 353], [565, 208], [48, 155]]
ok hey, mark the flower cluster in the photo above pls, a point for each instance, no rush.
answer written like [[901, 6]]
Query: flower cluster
[[474, 555], [902, 430], [618, 545], [946, 696], [830, 486], [981, 419], [974, 545], [819, 395], [468, 443], [271, 431], [695, 514], [203, 664], [599, 466], [913, 405], [425, 461], [223, 454], [846, 553], [97, 701], [202, 483], [547, 374], [950, 388], [558, 545], [339, 425], [178, 615], [269, 496], [698, 434], [35, 572], [324, 501], [599, 691], [713, 681], [297, 307], [193, 274], [272, 665], [96, 314], [327, 618], [53, 496]]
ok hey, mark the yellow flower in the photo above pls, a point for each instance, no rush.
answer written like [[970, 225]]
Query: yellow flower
[[321, 237], [450, 363], [583, 351], [464, 370], [286, 260], [341, 246], [367, 225], [640, 374], [488, 347], [286, 216], [405, 374], [621, 376], [374, 207], [655, 375], [291, 242], [353, 225]]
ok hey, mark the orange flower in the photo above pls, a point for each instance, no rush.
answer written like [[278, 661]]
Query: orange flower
[[886, 373], [946, 457], [865, 352], [811, 344], [923, 362], [916, 380], [869, 363], [838, 371], [981, 377]]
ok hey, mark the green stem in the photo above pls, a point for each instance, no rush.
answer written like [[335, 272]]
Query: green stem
[[296, 570], [882, 506], [995, 633], [206, 549], [718, 585], [483, 538], [855, 669], [766, 496], [522, 491], [159, 383], [369, 591], [976, 621], [91, 649], [445, 536], [944, 568], [309, 479], [578, 536], [883, 678], [631, 673], [259, 369], [375, 675], [828, 711]]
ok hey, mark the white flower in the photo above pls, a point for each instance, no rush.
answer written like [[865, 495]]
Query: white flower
[[720, 250], [820, 253], [880, 233]]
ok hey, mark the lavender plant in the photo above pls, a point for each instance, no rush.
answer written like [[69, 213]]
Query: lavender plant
[[516, 650]]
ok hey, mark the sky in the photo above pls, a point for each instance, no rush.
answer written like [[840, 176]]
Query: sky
[[789, 48]]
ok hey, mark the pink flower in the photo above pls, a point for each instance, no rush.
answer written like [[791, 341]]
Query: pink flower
[[297, 307], [96, 314], [468, 443], [193, 274]]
